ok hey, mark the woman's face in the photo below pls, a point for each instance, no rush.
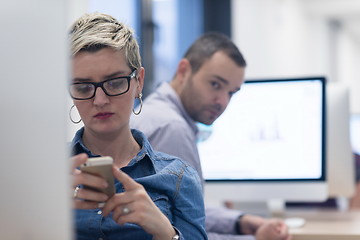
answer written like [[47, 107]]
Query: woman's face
[[104, 114]]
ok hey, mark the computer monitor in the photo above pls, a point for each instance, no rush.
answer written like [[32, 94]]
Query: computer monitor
[[355, 132], [269, 144], [341, 163], [355, 142], [35, 169]]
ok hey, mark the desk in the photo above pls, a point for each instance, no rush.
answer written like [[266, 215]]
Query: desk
[[326, 225]]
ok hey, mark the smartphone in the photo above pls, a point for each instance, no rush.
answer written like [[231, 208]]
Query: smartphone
[[100, 166]]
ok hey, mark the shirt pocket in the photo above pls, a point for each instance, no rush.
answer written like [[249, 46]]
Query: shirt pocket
[[162, 202]]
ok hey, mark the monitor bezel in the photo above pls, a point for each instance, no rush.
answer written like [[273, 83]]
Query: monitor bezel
[[323, 176]]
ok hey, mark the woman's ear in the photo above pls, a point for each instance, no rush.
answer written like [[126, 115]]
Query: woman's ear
[[140, 79]]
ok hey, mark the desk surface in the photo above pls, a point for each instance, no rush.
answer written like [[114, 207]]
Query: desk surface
[[326, 225]]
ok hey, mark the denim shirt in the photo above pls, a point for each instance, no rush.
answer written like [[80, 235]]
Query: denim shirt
[[173, 186], [170, 129]]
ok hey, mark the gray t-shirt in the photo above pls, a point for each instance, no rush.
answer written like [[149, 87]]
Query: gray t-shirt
[[168, 127]]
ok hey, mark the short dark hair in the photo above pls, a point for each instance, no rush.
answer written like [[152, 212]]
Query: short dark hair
[[210, 43]]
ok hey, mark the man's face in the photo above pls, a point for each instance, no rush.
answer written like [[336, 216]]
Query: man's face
[[207, 93]]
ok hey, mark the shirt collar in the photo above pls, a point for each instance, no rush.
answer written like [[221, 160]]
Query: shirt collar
[[166, 90], [146, 151]]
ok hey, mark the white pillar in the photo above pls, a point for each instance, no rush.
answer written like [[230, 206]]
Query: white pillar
[[34, 174]]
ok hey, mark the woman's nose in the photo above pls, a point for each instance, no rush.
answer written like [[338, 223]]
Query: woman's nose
[[100, 97]]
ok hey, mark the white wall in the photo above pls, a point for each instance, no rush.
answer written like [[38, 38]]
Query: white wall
[[349, 67], [283, 38], [76, 9]]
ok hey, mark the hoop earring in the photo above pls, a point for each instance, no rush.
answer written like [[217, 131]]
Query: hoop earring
[[141, 104], [75, 122]]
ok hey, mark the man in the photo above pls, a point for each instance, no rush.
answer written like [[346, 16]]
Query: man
[[211, 71]]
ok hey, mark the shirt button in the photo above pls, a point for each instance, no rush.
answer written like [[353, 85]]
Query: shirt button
[[99, 212]]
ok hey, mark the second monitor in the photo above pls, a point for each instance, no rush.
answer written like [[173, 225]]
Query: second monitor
[[269, 143]]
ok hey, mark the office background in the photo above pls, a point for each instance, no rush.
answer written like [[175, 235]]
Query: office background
[[278, 37], [330, 47]]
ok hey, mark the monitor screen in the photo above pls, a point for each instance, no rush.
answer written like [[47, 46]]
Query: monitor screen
[[355, 142], [355, 133], [340, 159], [273, 131]]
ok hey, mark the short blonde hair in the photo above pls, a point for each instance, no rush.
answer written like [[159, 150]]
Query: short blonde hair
[[94, 31]]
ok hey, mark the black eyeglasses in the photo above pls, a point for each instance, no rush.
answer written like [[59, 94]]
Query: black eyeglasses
[[111, 87]]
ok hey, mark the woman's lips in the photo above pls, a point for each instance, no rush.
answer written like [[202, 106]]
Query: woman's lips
[[104, 115]]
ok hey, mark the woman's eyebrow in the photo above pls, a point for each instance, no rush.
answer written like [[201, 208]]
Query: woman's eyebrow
[[81, 80], [112, 75], [115, 74]]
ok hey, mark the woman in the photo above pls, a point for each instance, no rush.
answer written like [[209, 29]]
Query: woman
[[157, 196]]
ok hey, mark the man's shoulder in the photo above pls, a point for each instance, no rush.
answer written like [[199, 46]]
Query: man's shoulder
[[150, 121], [157, 113]]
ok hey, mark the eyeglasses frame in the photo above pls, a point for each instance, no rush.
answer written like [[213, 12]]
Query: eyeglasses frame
[[101, 85]]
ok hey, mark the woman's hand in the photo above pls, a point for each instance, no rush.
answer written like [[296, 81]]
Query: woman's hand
[[86, 198], [135, 206]]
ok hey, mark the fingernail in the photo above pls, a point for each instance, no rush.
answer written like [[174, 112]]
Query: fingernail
[[101, 205]]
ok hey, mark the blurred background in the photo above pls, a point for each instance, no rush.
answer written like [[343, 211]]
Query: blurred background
[[279, 38]]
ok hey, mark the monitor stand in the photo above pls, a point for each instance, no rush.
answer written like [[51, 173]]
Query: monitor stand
[[272, 208], [269, 208]]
